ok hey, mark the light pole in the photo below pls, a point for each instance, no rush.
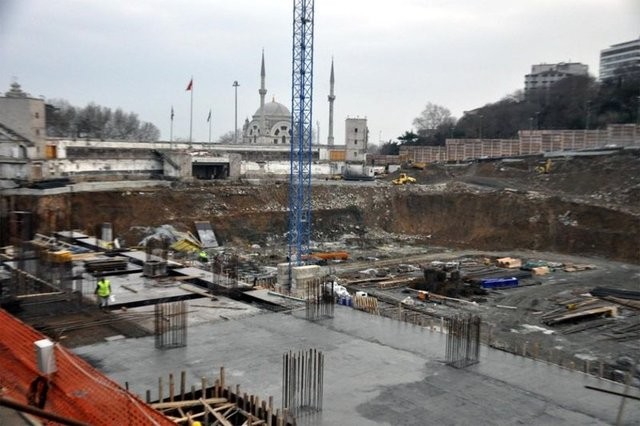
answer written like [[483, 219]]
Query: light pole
[[235, 86]]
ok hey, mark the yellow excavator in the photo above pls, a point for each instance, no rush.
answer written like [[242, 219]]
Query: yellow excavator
[[544, 168], [403, 179]]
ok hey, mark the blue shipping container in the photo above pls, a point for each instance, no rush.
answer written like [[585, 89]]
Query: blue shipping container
[[499, 282]]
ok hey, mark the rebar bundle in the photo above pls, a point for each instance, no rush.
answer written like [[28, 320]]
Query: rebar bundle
[[170, 325], [463, 341], [302, 381], [319, 301]]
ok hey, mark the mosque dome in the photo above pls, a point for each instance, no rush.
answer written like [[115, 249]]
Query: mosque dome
[[274, 109]]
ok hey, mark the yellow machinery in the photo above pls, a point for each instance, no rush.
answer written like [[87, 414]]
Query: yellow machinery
[[403, 179], [544, 168]]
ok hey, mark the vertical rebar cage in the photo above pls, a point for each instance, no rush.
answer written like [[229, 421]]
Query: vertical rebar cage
[[319, 303], [463, 341], [302, 382], [170, 325]]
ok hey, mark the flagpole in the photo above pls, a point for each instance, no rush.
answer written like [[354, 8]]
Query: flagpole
[[191, 114], [171, 128], [210, 120]]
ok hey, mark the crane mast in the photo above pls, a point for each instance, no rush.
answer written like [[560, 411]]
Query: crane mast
[[301, 132]]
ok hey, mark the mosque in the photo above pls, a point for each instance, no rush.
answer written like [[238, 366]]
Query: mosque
[[271, 124]]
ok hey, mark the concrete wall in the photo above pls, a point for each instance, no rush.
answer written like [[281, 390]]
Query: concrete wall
[[64, 167], [280, 168], [529, 142]]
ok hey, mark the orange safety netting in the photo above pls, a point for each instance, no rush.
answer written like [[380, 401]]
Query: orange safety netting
[[76, 390]]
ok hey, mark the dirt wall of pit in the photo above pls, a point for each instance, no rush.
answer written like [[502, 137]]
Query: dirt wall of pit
[[499, 220]]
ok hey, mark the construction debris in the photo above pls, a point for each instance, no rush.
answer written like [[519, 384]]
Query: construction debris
[[611, 311], [509, 262]]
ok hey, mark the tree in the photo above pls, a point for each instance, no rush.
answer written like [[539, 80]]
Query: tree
[[432, 118], [96, 122], [389, 148], [148, 133], [228, 137], [409, 138]]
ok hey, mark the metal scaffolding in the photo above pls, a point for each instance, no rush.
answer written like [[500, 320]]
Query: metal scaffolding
[[463, 341], [301, 132]]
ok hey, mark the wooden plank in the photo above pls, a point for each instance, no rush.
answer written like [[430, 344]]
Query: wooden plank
[[603, 310], [187, 403], [219, 417]]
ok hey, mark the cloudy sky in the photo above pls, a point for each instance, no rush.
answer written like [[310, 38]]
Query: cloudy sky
[[391, 57]]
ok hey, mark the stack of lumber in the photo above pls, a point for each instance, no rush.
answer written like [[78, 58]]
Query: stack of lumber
[[578, 309], [106, 264], [366, 303]]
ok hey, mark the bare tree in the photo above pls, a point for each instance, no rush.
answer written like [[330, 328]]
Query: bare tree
[[227, 138], [96, 122], [432, 118], [148, 132]]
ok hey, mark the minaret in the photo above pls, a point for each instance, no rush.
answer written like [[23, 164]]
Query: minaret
[[263, 92], [332, 98]]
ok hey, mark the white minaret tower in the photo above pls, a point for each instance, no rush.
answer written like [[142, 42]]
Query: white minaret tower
[[263, 92], [332, 98]]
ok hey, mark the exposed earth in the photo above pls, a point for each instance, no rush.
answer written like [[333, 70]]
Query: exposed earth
[[586, 210]]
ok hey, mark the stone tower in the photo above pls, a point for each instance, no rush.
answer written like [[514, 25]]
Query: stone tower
[[263, 92], [332, 97]]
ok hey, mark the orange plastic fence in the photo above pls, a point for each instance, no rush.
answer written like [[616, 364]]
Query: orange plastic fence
[[76, 390]]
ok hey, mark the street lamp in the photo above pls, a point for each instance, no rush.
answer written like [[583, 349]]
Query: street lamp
[[235, 86]]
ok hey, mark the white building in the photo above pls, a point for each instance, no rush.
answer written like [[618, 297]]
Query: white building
[[543, 76], [618, 57], [271, 123], [356, 138]]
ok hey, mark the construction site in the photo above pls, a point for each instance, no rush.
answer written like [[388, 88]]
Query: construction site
[[276, 282], [494, 290]]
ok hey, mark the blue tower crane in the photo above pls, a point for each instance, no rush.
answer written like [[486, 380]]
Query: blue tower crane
[[301, 132]]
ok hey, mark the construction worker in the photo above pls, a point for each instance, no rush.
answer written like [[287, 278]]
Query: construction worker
[[103, 291], [203, 256]]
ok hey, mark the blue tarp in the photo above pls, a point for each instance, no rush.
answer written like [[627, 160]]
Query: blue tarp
[[499, 282]]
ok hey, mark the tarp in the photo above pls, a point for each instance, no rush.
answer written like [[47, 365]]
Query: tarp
[[206, 234]]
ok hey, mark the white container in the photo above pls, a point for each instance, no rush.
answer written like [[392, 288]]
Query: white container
[[46, 356]]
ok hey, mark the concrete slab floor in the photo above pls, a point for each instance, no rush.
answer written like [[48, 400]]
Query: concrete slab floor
[[377, 371]]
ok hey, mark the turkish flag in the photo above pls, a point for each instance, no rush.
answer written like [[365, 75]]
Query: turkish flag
[[190, 86]]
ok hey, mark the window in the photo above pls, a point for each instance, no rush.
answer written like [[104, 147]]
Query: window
[[275, 141], [284, 139], [355, 142], [277, 132], [37, 115], [355, 154], [355, 130], [283, 128]]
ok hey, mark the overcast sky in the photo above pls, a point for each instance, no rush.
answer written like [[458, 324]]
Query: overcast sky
[[391, 57]]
